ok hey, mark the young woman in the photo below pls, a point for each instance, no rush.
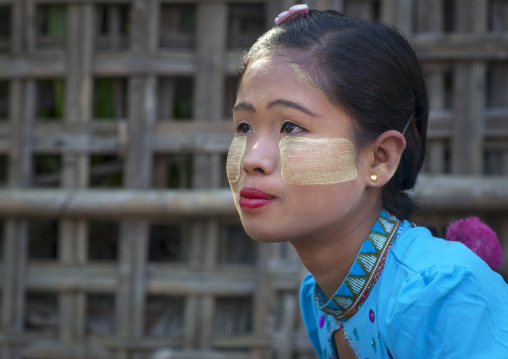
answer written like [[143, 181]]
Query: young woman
[[331, 117]]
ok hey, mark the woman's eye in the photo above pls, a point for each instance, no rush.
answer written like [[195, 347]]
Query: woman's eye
[[243, 128], [289, 127]]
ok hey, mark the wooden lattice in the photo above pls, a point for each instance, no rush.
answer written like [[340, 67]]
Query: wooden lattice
[[135, 95]]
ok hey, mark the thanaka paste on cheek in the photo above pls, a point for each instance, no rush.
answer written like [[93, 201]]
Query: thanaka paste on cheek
[[235, 155], [307, 161]]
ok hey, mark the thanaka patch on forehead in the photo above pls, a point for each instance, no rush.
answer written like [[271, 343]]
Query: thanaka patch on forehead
[[308, 161], [234, 160], [304, 77]]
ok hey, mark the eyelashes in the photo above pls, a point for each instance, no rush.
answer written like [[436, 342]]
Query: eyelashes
[[290, 128], [287, 127], [243, 128]]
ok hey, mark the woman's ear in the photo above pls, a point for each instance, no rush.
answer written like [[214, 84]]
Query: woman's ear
[[386, 153]]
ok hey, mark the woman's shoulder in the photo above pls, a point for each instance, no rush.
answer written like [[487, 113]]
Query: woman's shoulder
[[419, 256], [432, 287], [417, 250]]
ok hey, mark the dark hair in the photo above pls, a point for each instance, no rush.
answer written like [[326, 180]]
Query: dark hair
[[370, 71]]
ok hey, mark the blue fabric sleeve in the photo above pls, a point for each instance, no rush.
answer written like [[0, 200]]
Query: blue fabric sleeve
[[448, 312], [308, 308]]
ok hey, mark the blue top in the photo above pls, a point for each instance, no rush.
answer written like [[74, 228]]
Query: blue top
[[411, 295]]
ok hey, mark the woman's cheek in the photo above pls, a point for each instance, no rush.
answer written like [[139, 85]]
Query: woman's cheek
[[234, 159], [307, 161]]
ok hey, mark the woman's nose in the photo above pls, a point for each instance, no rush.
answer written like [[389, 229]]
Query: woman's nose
[[261, 158]]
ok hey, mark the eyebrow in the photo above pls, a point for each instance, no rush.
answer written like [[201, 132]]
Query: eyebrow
[[291, 104], [246, 106]]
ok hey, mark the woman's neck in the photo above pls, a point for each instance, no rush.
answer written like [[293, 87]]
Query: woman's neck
[[330, 255]]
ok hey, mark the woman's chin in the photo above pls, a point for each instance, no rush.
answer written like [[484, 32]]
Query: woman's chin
[[265, 236]]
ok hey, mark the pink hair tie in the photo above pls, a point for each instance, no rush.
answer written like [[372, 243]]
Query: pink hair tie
[[292, 13]]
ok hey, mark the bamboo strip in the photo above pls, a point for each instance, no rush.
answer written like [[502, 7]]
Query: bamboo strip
[[429, 47], [130, 298], [468, 105], [121, 2], [438, 192], [52, 351], [22, 105], [169, 281], [168, 136], [289, 315], [75, 172], [174, 280]]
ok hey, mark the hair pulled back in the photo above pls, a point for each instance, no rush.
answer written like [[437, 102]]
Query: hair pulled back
[[370, 71]]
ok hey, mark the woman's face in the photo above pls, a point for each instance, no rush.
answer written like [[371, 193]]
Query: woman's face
[[292, 166]]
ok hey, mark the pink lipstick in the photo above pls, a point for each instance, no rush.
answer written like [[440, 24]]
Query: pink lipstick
[[251, 198]]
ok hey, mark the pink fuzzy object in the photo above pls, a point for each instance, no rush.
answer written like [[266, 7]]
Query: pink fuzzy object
[[478, 237]]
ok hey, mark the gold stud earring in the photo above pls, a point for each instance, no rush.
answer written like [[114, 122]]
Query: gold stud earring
[[373, 178]]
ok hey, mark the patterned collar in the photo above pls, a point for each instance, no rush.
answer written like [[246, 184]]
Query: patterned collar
[[364, 273]]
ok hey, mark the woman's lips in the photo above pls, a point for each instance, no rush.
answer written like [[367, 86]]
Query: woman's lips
[[251, 198]]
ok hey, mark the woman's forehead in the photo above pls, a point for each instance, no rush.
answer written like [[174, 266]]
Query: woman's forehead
[[281, 66]]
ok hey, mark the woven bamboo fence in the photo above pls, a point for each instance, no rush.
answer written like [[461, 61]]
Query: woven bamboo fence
[[118, 234]]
